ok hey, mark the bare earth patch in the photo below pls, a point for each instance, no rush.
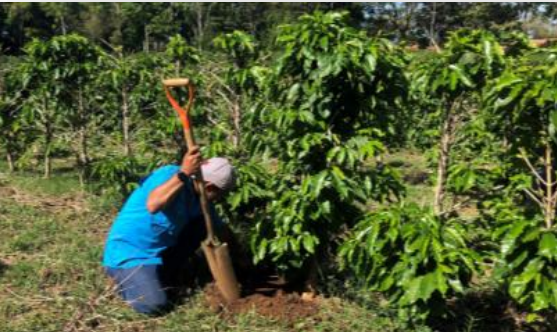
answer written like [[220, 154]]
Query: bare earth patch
[[269, 299], [75, 202]]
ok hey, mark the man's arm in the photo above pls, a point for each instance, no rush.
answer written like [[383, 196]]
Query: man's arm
[[165, 193]]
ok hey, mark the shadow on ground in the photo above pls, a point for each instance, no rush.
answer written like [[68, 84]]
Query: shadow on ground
[[3, 267], [490, 311]]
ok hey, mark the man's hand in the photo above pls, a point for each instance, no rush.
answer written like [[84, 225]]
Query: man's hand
[[191, 161], [160, 196]]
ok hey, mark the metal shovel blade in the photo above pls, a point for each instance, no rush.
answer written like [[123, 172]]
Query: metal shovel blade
[[218, 258]]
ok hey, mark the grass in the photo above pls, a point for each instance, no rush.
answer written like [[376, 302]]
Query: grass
[[412, 166], [418, 178], [51, 279], [51, 241]]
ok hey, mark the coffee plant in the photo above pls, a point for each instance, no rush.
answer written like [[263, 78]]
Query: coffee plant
[[332, 91], [413, 257], [15, 137], [452, 83], [523, 102]]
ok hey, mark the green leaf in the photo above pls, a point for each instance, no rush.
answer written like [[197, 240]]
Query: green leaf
[[371, 62], [337, 172], [262, 249], [518, 260], [519, 283], [293, 92], [548, 245], [319, 183], [235, 200], [309, 242], [413, 291], [429, 284], [553, 125], [541, 301], [512, 235], [487, 52], [461, 76], [456, 284]]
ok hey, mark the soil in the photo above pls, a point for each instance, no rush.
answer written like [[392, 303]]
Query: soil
[[270, 298]]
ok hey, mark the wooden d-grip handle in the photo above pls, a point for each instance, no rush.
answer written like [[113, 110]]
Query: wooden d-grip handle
[[176, 82]]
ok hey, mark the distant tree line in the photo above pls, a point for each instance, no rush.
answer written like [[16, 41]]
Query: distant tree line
[[147, 26]]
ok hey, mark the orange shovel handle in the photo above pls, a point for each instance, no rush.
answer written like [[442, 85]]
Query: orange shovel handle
[[184, 114]]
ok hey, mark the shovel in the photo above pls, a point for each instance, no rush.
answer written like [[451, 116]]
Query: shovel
[[216, 252]]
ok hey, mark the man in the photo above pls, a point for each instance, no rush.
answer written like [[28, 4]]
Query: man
[[160, 224]]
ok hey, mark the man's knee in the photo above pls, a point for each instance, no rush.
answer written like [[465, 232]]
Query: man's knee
[[141, 288], [147, 298], [150, 305], [149, 301]]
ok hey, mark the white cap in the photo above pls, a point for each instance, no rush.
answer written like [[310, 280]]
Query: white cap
[[219, 172]]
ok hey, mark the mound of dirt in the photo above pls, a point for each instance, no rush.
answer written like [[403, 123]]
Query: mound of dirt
[[270, 299]]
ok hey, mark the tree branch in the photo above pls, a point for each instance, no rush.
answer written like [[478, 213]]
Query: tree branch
[[224, 85], [532, 169], [532, 196]]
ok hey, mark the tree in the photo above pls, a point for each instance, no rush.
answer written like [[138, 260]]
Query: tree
[[240, 76], [522, 103], [261, 20], [23, 22], [64, 14], [129, 81], [40, 106], [429, 23], [413, 257], [396, 19], [181, 54], [147, 26], [14, 137], [329, 92], [455, 80], [59, 73], [101, 22]]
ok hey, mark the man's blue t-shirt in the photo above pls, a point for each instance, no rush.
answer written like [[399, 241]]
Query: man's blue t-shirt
[[138, 237]]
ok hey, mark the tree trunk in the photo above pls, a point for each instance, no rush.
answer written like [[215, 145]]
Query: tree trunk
[[47, 164], [201, 20], [432, 21], [21, 33], [11, 160], [117, 36], [83, 153], [146, 40], [82, 131], [432, 31], [412, 8], [199, 23], [47, 122], [63, 25], [445, 143], [177, 67], [236, 119], [549, 199], [126, 123], [48, 140]]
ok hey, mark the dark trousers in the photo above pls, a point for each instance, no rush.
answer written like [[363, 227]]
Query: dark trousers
[[147, 287]]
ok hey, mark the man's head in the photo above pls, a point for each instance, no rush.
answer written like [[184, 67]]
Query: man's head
[[219, 177]]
